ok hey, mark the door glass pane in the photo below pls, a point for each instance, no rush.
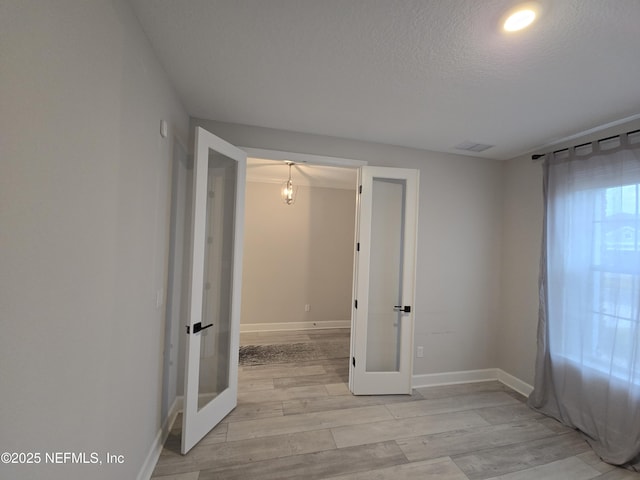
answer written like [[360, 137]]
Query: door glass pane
[[215, 341], [385, 275]]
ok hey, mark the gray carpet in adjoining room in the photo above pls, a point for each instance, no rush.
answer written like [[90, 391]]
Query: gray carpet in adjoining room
[[292, 352]]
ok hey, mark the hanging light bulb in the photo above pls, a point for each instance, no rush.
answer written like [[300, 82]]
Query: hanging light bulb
[[288, 191]]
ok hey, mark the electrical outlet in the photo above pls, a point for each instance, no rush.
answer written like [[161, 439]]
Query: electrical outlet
[[420, 352], [307, 307]]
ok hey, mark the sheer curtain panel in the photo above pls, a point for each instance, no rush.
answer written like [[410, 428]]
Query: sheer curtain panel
[[588, 364]]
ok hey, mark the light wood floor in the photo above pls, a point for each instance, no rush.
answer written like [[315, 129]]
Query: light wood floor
[[299, 421]]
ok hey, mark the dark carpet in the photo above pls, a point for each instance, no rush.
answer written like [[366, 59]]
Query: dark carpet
[[292, 352]]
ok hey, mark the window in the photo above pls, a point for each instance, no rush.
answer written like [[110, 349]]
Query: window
[[615, 314], [603, 273]]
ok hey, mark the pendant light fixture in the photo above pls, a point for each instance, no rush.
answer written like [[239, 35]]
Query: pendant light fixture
[[288, 190]]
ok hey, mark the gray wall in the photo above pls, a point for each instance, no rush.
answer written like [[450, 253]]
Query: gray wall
[[522, 234], [297, 254], [460, 235], [84, 223]]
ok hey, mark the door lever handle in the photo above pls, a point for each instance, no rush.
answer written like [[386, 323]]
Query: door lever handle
[[197, 327], [400, 308]]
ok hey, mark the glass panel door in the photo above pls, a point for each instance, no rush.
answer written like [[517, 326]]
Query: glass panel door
[[382, 318], [211, 369]]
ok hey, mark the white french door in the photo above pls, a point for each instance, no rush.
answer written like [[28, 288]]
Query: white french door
[[384, 276], [213, 332]]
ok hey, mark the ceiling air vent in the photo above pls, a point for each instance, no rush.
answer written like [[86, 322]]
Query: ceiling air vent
[[473, 146]]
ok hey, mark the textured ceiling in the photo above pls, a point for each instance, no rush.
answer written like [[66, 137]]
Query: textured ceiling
[[419, 73]]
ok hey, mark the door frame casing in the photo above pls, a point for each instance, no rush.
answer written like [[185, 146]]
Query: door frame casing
[[303, 158]]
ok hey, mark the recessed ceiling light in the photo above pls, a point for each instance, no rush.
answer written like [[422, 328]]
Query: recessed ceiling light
[[520, 17]]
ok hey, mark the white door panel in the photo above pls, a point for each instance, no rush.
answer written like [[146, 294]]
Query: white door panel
[[211, 367], [382, 320]]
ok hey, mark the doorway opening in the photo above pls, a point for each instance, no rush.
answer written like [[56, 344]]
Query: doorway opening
[[297, 275], [334, 371]]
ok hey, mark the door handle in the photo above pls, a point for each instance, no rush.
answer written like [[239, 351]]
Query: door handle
[[197, 327], [400, 308]]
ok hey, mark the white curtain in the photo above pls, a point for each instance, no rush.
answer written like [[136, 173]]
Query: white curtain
[[588, 365]]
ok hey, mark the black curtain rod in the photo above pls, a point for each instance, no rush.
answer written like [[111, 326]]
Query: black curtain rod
[[536, 156]]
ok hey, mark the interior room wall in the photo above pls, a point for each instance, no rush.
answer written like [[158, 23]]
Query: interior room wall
[[84, 224], [522, 237], [297, 255], [459, 240], [522, 234]]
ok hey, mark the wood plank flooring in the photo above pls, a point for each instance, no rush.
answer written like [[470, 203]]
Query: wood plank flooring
[[299, 421]]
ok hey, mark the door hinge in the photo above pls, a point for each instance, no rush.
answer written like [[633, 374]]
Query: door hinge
[[353, 361], [355, 303], [358, 247], [360, 189]]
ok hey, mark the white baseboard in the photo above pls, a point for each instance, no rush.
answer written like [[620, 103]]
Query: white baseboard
[[277, 327], [514, 383], [452, 378], [471, 376], [158, 442]]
